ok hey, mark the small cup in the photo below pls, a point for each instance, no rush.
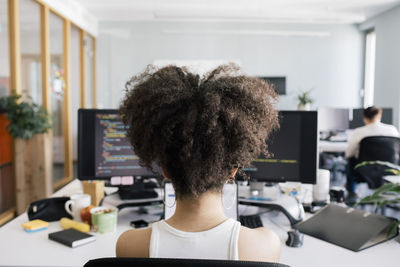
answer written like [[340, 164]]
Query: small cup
[[321, 188], [76, 204], [104, 220]]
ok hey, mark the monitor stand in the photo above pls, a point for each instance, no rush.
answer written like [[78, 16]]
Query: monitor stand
[[141, 193], [257, 194], [138, 190]]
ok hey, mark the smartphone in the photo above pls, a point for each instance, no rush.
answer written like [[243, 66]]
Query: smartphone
[[139, 224]]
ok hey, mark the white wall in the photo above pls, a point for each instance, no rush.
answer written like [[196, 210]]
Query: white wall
[[325, 58], [387, 69], [75, 12]]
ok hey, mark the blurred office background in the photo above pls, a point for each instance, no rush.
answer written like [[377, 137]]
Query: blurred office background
[[67, 54]]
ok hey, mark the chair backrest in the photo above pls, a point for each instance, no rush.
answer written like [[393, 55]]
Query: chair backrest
[[382, 148], [149, 262]]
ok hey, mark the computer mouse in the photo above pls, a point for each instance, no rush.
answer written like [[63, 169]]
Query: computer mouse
[[295, 239]]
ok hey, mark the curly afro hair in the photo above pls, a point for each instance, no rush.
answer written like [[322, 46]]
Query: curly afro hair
[[198, 129]]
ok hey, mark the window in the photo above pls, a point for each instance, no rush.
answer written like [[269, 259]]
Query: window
[[4, 51], [57, 86], [74, 88], [369, 72], [89, 90], [31, 65]]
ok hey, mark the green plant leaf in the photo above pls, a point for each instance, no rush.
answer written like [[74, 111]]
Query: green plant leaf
[[386, 188], [393, 171], [304, 98], [372, 199], [393, 229], [26, 119], [386, 194]]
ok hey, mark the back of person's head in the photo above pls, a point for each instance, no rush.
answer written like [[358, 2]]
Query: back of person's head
[[372, 112], [198, 129]]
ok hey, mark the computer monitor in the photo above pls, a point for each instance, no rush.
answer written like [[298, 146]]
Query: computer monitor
[[279, 84], [293, 148], [333, 119], [103, 149], [357, 118]]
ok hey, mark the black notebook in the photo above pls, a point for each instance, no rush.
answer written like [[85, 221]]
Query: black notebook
[[347, 227], [71, 237]]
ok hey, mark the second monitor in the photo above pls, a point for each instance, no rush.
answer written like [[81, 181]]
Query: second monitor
[[293, 148], [357, 118]]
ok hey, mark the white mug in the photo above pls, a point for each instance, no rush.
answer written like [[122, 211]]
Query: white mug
[[76, 204], [321, 188]]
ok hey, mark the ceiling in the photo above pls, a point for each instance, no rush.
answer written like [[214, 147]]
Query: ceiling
[[279, 11]]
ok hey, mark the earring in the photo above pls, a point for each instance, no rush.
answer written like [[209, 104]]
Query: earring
[[230, 181], [164, 197], [173, 204]]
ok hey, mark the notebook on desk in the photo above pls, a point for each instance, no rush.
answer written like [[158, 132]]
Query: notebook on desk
[[347, 227], [71, 237]]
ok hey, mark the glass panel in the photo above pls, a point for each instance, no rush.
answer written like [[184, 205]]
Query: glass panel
[[57, 84], [74, 87], [369, 73], [31, 67], [4, 52], [88, 71], [7, 191]]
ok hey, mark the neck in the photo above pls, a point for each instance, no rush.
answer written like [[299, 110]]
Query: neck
[[198, 214], [371, 121]]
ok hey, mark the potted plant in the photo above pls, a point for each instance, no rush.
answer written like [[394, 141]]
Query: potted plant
[[26, 119], [387, 194], [305, 100], [28, 124]]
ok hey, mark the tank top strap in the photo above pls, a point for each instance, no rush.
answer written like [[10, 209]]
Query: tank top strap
[[234, 243], [154, 239]]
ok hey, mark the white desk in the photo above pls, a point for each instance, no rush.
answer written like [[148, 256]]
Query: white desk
[[327, 146], [317, 253], [392, 179], [18, 248]]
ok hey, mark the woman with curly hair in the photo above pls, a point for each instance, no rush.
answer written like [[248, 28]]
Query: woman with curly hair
[[200, 131]]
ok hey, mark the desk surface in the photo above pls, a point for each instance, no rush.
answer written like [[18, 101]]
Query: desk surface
[[328, 146], [18, 248]]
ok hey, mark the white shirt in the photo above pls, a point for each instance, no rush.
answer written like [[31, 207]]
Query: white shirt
[[218, 243], [373, 129]]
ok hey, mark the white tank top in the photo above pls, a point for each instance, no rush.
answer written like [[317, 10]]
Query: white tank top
[[219, 243]]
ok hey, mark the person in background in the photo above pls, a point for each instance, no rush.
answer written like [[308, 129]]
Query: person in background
[[199, 131], [373, 127]]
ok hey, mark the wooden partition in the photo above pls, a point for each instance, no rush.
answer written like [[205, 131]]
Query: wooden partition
[[30, 164], [31, 167]]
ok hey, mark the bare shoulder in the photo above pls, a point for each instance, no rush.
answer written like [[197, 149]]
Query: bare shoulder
[[260, 244], [134, 243]]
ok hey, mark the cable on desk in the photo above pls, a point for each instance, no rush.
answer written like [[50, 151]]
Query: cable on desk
[[106, 195], [277, 224]]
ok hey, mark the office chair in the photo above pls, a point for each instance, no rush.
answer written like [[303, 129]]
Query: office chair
[[377, 155], [150, 262], [335, 163]]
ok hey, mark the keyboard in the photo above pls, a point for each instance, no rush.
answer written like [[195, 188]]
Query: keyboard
[[251, 221], [134, 192]]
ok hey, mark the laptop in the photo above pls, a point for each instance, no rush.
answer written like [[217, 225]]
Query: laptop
[[229, 200]]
